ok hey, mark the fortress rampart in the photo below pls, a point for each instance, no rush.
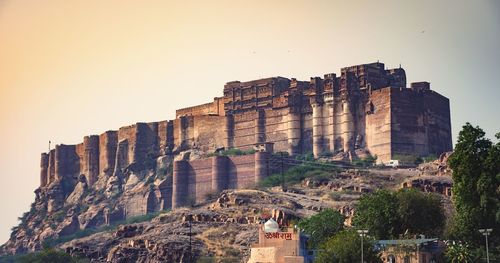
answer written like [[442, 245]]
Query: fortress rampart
[[366, 107], [194, 180]]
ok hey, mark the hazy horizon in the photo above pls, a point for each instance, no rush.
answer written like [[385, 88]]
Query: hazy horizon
[[71, 69]]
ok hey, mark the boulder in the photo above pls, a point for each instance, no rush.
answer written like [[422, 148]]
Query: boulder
[[78, 193], [69, 226], [93, 217]]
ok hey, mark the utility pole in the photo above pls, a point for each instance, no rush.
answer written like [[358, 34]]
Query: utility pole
[[190, 231], [282, 173], [486, 233], [362, 233]]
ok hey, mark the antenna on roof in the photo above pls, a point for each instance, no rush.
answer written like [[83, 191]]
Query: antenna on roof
[[399, 65], [49, 146]]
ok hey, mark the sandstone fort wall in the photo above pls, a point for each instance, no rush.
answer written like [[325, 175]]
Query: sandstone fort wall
[[366, 107], [194, 180]]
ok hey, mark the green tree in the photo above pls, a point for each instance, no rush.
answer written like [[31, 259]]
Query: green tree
[[420, 213], [345, 247], [322, 225], [378, 212], [388, 215], [458, 253], [476, 176]]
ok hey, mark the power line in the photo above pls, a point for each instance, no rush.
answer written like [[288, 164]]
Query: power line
[[296, 161]]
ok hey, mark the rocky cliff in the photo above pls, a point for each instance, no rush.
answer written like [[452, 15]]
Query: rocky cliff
[[77, 196], [223, 225]]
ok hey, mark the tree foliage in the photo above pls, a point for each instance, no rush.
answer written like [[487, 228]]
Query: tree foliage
[[378, 212], [458, 253], [476, 176], [420, 213], [388, 215], [322, 225], [345, 247]]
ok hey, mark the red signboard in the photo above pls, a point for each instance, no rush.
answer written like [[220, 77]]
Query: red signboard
[[279, 235]]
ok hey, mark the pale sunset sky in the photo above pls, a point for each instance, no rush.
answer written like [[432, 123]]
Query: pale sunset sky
[[70, 68]]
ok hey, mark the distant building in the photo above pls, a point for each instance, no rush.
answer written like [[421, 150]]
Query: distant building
[[280, 247], [420, 250]]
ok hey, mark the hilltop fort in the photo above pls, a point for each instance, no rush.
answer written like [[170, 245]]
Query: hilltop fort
[[147, 167], [367, 109]]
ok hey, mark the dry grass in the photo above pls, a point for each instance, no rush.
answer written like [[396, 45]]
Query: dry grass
[[221, 241]]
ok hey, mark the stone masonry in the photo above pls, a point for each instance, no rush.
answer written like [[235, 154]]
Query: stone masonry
[[366, 107]]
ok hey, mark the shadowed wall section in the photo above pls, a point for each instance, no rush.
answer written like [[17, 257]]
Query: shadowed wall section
[[194, 180]]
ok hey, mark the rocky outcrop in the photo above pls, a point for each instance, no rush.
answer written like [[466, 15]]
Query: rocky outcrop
[[431, 184], [215, 230], [93, 217], [69, 226], [78, 193], [224, 226], [69, 203], [437, 167]]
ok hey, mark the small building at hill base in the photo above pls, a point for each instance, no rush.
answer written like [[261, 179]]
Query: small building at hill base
[[421, 250], [289, 246]]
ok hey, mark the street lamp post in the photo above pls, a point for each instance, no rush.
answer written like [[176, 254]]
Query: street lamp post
[[190, 242], [486, 233], [362, 233]]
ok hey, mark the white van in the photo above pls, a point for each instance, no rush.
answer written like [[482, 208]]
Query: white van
[[393, 163]]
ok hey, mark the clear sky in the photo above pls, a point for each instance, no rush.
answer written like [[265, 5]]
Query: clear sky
[[74, 68]]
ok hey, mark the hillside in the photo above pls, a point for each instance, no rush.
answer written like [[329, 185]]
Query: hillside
[[223, 225]]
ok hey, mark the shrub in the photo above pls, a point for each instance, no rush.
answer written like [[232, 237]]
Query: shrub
[[408, 159], [47, 255], [150, 180], [308, 156], [326, 154], [336, 196], [24, 217], [206, 260], [458, 252], [211, 195], [59, 215], [298, 173], [365, 162], [231, 152], [232, 252], [236, 151], [430, 158], [161, 171], [84, 208], [319, 175]]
